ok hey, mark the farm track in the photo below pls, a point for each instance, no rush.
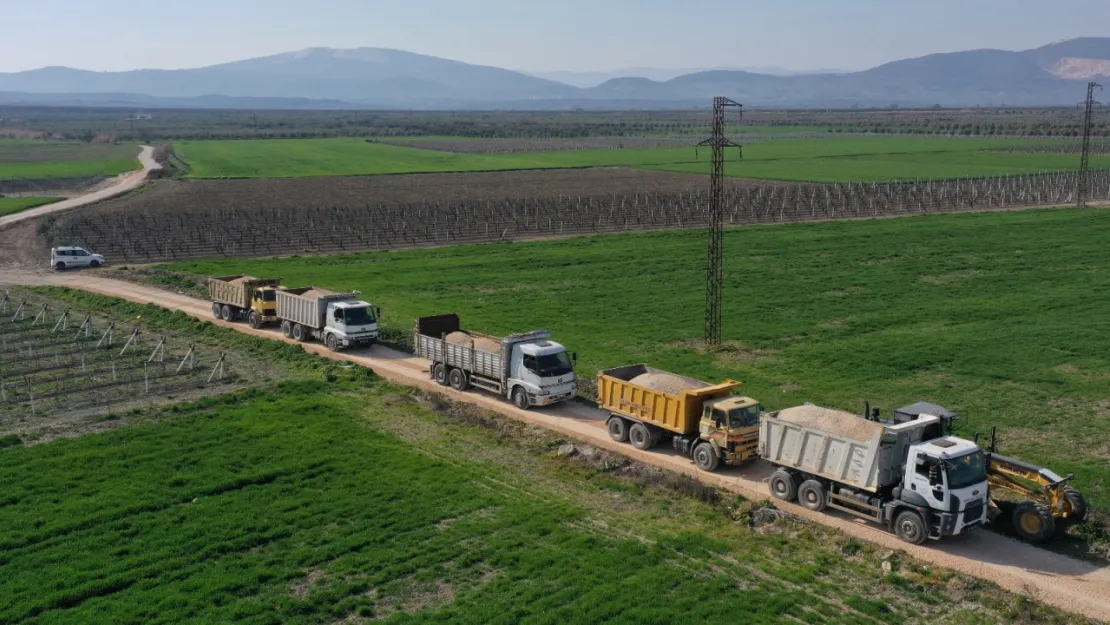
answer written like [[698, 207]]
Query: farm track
[[122, 184], [1055, 579]]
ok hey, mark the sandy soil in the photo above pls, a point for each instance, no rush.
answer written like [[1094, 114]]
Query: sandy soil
[[121, 184], [1067, 583]]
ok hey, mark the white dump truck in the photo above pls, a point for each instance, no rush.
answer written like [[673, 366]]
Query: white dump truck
[[336, 319], [882, 472], [529, 368]]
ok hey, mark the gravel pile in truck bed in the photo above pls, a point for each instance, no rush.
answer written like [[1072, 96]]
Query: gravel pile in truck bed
[[666, 382], [314, 293], [835, 422], [241, 280], [488, 346]]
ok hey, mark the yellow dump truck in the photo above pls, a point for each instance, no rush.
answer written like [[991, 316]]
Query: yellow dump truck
[[239, 297], [704, 421]]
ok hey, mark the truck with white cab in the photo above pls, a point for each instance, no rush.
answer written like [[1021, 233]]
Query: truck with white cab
[[336, 319], [530, 369], [891, 473]]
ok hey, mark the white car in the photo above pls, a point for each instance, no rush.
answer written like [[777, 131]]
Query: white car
[[62, 258]]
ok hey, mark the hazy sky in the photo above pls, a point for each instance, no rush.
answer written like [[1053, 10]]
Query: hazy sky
[[574, 35]]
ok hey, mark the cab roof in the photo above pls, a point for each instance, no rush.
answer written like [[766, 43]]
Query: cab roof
[[950, 447], [541, 348], [734, 401]]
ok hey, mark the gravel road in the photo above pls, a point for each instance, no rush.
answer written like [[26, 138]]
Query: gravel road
[[1067, 583], [122, 184]]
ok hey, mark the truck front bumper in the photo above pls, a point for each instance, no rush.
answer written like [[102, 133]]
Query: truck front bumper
[[554, 398], [366, 340]]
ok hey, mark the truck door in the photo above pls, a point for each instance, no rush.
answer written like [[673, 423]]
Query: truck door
[[720, 426], [927, 480]]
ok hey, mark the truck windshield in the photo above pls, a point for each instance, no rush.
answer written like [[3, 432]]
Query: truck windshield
[[269, 296], [744, 417], [552, 365], [360, 316], [966, 470]]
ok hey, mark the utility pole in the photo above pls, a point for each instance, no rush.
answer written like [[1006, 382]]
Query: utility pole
[[715, 270], [1081, 186]]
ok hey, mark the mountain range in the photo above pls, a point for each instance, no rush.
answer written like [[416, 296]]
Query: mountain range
[[377, 78]]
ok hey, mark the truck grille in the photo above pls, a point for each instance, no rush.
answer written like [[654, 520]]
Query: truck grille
[[973, 513]]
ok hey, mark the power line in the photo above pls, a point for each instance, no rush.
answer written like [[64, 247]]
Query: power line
[[715, 270], [1082, 181]]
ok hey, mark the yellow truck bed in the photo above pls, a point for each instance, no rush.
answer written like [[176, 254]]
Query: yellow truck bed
[[674, 403]]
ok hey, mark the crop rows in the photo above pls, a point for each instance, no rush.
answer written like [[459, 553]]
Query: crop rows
[[1097, 147], [36, 186], [206, 231], [57, 363]]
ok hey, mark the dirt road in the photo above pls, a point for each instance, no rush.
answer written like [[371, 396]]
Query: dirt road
[[122, 184], [1055, 579]]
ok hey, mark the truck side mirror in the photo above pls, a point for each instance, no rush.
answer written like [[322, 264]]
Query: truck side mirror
[[377, 312], [574, 356]]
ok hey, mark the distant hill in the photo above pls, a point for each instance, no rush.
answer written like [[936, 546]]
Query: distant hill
[[381, 78], [585, 80]]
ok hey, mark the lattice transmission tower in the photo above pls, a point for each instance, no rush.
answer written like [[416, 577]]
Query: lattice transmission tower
[[1082, 185], [715, 270]]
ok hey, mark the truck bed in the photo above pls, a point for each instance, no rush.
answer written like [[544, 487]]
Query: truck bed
[[430, 342], [678, 412]]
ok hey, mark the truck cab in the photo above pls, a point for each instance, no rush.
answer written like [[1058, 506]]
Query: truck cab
[[947, 476], [731, 425], [351, 323], [544, 370], [264, 303]]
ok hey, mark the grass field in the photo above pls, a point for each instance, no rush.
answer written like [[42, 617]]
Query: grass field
[[836, 159], [1000, 316], [316, 502], [23, 159], [12, 205]]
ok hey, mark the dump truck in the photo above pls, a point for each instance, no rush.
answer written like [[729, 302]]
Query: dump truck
[[890, 473], [705, 422], [529, 369], [338, 320], [236, 297]]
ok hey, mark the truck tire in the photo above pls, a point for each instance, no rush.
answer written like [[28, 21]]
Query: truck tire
[[520, 399], [641, 437], [254, 321], [910, 527], [94, 264], [439, 373], [459, 380], [332, 342], [783, 485], [811, 494], [60, 266], [1033, 522], [216, 309], [225, 312], [1077, 504], [287, 329], [299, 333], [618, 429], [705, 458]]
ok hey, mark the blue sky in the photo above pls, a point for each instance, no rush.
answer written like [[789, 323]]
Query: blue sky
[[577, 35]]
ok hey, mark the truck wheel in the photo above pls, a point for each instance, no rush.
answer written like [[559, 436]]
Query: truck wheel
[[225, 312], [215, 310], [287, 329], [705, 458], [520, 399], [910, 527], [439, 372], [332, 342], [783, 485], [299, 333], [253, 320], [60, 266], [640, 437], [94, 264], [618, 429], [458, 380], [1077, 504], [1033, 522], [811, 494]]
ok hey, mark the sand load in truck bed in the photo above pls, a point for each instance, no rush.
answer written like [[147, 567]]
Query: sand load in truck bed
[[835, 422], [315, 293], [666, 382], [488, 346], [241, 280]]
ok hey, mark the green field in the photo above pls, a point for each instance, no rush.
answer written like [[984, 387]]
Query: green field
[[836, 159], [1000, 316], [12, 205], [317, 502], [34, 160]]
